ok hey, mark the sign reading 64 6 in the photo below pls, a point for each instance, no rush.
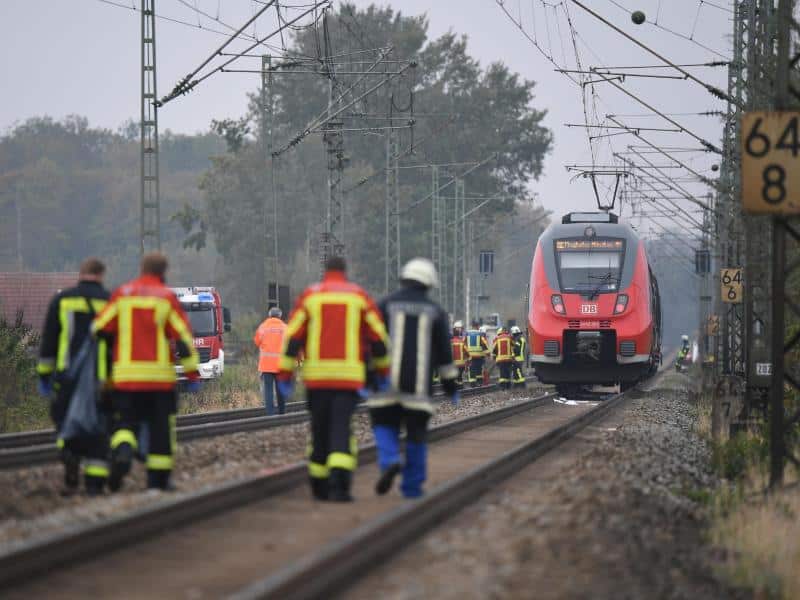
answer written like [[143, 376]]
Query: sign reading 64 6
[[771, 162]]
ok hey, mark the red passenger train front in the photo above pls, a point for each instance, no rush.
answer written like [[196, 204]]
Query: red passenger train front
[[594, 314]]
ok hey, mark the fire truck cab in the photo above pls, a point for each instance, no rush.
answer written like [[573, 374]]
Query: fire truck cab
[[209, 320]]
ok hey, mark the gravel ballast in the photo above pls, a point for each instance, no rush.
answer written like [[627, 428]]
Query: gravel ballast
[[32, 506], [612, 518]]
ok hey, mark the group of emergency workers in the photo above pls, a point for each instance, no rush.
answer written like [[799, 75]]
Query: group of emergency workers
[[351, 350], [471, 349], [135, 332]]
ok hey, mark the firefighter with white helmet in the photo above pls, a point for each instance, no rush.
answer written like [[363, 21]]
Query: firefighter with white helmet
[[419, 346], [520, 352], [458, 347]]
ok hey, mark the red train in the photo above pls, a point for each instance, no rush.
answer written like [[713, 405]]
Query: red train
[[595, 313]]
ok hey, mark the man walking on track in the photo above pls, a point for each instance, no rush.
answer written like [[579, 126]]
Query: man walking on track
[[420, 346], [269, 339], [335, 324], [66, 328], [143, 317]]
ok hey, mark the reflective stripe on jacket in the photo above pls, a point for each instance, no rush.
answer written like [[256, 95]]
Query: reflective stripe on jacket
[[335, 324], [520, 347], [459, 349], [144, 316], [66, 326], [476, 344], [269, 339], [502, 348]]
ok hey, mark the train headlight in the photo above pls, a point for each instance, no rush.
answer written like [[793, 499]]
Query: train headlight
[[558, 304], [621, 304]]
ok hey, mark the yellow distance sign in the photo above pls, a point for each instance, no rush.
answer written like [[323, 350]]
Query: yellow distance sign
[[731, 282], [771, 162]]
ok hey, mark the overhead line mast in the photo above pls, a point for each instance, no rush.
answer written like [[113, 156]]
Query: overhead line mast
[[149, 200]]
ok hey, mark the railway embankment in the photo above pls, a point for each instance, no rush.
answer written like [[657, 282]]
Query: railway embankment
[[622, 511]]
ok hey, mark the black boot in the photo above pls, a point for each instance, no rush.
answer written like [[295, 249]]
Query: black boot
[[158, 480], [121, 459], [340, 481], [384, 483], [319, 488], [72, 468]]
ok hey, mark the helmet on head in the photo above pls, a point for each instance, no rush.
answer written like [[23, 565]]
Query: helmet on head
[[515, 330], [684, 338], [483, 329], [458, 325], [275, 312], [501, 330], [422, 271]]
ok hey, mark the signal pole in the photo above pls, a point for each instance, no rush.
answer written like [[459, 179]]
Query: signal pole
[[270, 207], [149, 203]]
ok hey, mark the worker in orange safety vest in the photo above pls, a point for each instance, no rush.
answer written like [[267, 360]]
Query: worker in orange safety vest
[[269, 339]]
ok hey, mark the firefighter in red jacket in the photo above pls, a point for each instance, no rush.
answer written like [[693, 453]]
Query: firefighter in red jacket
[[503, 351], [144, 316], [335, 324], [458, 347]]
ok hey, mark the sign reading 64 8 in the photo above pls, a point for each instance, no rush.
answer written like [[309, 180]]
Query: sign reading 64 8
[[771, 162]]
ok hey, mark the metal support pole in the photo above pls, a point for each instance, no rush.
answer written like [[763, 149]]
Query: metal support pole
[[270, 206], [149, 202], [392, 213]]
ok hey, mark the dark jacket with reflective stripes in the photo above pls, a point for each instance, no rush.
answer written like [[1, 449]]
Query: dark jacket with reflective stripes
[[67, 325], [419, 342]]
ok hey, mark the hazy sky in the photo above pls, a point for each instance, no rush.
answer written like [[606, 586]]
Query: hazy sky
[[82, 57]]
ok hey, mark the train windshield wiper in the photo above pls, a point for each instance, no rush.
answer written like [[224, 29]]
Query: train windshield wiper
[[604, 280]]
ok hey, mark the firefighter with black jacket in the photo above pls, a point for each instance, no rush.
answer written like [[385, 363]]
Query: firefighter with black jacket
[[520, 356], [419, 347], [65, 329], [334, 324], [144, 316]]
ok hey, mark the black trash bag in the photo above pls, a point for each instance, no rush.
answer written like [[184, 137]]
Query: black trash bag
[[83, 418]]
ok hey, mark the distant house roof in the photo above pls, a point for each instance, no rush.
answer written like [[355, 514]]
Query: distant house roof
[[31, 293]]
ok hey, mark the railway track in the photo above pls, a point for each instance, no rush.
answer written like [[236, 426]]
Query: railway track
[[38, 447], [268, 524]]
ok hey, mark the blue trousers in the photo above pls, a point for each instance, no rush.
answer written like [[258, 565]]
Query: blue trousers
[[386, 423], [270, 392]]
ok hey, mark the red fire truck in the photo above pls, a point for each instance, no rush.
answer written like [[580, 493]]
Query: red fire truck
[[209, 320]]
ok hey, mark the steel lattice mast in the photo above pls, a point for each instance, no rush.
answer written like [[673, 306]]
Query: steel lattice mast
[[149, 203]]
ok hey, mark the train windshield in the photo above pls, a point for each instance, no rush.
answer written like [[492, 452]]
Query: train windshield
[[202, 318], [589, 266]]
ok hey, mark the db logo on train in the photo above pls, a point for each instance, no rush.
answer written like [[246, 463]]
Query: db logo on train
[[588, 309]]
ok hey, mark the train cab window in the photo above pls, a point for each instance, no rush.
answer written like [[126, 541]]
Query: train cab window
[[589, 266]]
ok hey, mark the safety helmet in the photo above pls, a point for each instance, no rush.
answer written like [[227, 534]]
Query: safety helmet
[[422, 271], [275, 312], [684, 338], [458, 325], [501, 330], [483, 329], [515, 330]]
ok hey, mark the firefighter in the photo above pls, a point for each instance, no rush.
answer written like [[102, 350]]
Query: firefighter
[[683, 352], [520, 356], [478, 349], [144, 316], [66, 326], [419, 347], [503, 352], [458, 349], [269, 339], [335, 324]]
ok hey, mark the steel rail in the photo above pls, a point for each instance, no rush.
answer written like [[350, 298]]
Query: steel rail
[[35, 448], [83, 542], [343, 562]]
